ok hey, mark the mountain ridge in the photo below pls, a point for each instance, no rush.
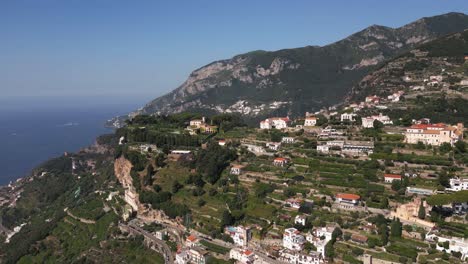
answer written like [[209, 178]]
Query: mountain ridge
[[291, 81]]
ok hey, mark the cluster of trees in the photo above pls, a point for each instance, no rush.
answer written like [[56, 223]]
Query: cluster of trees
[[210, 162], [227, 122], [329, 250], [162, 200]]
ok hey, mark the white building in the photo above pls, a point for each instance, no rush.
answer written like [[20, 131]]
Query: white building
[[319, 237], [294, 202], [434, 134], [273, 145], [288, 256], [438, 78], [197, 122], [300, 220], [323, 148], [458, 184], [280, 162], [310, 121], [191, 241], [368, 122], [236, 169], [350, 117], [358, 148], [275, 122], [329, 132], [293, 240], [240, 234], [348, 198], [389, 178], [243, 256], [193, 255], [455, 244], [288, 140], [254, 148], [395, 97], [419, 191]]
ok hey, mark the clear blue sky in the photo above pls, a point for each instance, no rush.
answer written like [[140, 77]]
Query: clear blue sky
[[78, 47]]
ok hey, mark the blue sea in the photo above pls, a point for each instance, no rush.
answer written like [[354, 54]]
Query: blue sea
[[35, 129]]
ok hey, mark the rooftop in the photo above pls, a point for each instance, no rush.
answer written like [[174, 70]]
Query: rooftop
[[348, 196]]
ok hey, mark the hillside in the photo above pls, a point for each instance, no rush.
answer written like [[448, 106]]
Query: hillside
[[301, 79], [432, 77]]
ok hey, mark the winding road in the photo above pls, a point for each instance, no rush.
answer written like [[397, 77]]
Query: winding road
[[162, 246]]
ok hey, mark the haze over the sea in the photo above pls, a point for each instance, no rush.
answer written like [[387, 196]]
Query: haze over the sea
[[34, 129]]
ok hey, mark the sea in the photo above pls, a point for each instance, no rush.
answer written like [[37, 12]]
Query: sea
[[35, 129]]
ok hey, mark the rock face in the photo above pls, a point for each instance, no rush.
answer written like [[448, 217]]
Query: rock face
[[122, 168], [304, 78]]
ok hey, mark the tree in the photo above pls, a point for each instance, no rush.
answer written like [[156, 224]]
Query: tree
[[396, 185], [227, 218], [420, 145], [378, 125], [460, 146], [289, 192], [445, 147], [396, 228], [422, 211], [176, 186], [337, 233], [201, 202], [383, 232], [329, 250], [384, 203], [444, 179]]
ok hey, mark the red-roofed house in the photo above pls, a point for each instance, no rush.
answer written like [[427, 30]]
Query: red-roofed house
[[280, 162], [236, 169], [191, 241], [389, 178], [243, 256], [310, 121], [434, 134], [348, 198]]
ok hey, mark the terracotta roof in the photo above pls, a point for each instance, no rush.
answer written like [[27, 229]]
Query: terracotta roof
[[286, 119], [435, 132], [311, 118], [280, 159], [192, 238], [426, 126], [394, 176], [359, 238], [247, 252], [348, 196]]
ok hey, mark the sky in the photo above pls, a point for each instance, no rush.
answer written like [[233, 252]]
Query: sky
[[147, 48]]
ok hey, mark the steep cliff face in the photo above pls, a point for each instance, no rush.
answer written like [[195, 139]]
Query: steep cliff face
[[122, 168], [296, 80]]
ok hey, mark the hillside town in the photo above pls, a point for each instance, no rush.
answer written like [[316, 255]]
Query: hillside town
[[380, 177]]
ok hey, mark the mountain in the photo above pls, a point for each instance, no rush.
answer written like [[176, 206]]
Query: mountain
[[292, 81], [442, 97]]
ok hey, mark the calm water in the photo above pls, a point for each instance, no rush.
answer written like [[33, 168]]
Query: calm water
[[33, 130]]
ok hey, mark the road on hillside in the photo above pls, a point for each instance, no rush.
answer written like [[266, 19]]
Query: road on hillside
[[166, 251]]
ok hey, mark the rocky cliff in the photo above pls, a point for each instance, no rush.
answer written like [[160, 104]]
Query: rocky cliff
[[292, 81]]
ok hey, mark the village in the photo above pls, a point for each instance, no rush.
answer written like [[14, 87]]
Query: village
[[328, 187]]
